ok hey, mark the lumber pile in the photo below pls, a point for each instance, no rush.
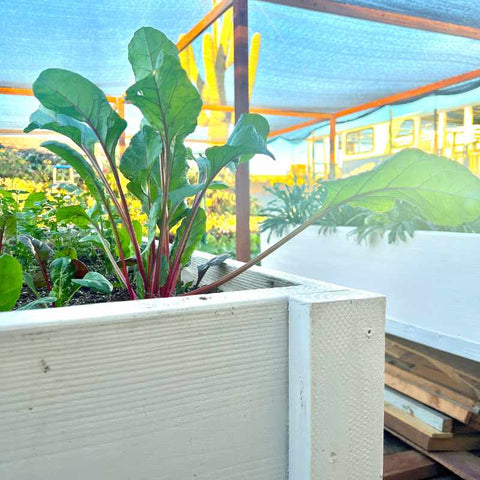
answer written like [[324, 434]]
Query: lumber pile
[[432, 403]]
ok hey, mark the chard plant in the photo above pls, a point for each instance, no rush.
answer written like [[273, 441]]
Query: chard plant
[[156, 161]]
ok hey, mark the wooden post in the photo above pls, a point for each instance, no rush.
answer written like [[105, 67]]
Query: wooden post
[[329, 405], [435, 132], [331, 173], [242, 181]]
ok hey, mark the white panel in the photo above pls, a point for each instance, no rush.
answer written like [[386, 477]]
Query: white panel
[[175, 395], [431, 282]]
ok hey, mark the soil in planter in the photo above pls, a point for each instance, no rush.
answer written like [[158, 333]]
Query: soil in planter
[[82, 297]]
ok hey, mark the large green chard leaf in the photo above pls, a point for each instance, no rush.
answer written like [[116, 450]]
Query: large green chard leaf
[[45, 119], [142, 154], [168, 100], [146, 50], [179, 184], [80, 165], [446, 192], [195, 237], [180, 194], [180, 166], [244, 142], [11, 282], [70, 94], [140, 163], [249, 127], [95, 281]]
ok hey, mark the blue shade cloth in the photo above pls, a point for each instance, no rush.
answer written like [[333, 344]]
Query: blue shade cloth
[[86, 36], [308, 60], [462, 12], [467, 93], [317, 61]]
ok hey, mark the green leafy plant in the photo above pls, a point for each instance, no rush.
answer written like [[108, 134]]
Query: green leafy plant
[[63, 276], [398, 224], [68, 276], [155, 165], [155, 162], [10, 282], [444, 191], [27, 164], [292, 205]]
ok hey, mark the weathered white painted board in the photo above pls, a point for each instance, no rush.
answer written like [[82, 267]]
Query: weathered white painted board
[[427, 415], [182, 388], [431, 281]]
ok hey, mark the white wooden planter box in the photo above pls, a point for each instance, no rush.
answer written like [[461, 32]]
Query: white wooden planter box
[[432, 282], [279, 377]]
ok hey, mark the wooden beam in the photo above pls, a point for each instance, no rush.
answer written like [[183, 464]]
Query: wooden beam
[[416, 409], [203, 24], [433, 387], [409, 94], [424, 436], [332, 136], [281, 131], [383, 16], [409, 465], [217, 108], [434, 400], [414, 423], [242, 178], [270, 111], [16, 91], [28, 92], [464, 464]]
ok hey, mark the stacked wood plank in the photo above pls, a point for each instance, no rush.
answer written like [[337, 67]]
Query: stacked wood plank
[[432, 402]]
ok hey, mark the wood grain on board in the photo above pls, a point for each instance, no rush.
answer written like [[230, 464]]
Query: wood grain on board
[[464, 464], [459, 373], [434, 400], [431, 386], [409, 465], [428, 415], [425, 436]]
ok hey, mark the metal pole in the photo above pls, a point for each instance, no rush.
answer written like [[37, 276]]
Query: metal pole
[[242, 180]]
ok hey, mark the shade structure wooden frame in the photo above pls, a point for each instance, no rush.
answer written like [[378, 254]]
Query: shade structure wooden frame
[[240, 9]]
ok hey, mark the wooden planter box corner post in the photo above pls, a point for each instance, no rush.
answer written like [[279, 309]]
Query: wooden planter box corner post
[[283, 380]]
